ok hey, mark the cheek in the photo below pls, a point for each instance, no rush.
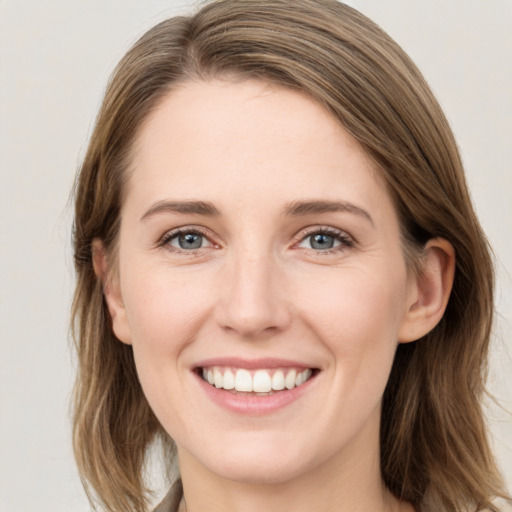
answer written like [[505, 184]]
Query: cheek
[[357, 314], [164, 309], [353, 300]]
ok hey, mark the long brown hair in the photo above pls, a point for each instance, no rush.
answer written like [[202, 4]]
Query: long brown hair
[[434, 447]]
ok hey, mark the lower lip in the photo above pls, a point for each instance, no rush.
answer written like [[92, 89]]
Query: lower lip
[[254, 405]]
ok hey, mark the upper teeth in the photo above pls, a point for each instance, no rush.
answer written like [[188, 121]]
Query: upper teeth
[[259, 381]]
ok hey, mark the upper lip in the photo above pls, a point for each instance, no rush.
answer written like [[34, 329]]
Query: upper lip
[[250, 364]]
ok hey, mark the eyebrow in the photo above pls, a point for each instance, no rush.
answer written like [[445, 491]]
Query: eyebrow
[[293, 209], [185, 207], [301, 208]]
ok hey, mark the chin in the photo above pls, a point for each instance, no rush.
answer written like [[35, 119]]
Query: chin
[[259, 465], [258, 472]]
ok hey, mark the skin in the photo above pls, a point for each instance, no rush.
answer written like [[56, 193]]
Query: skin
[[258, 288]]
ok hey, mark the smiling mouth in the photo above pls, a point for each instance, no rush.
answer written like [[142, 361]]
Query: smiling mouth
[[261, 382]]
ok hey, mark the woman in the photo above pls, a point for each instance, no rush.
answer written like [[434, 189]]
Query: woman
[[280, 273]]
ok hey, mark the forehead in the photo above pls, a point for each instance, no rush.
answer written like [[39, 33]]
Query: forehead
[[248, 138]]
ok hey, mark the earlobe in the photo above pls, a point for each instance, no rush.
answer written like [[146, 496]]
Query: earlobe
[[430, 290], [111, 292]]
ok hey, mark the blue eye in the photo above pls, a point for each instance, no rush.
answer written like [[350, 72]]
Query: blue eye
[[186, 240], [326, 240], [322, 241]]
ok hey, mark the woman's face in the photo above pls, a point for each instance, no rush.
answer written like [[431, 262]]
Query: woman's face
[[259, 248]]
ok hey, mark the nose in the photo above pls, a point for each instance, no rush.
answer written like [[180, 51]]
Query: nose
[[253, 300]]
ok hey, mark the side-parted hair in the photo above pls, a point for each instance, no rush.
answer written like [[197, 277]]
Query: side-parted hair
[[434, 447]]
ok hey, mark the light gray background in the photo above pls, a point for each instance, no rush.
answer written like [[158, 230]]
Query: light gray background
[[55, 59]]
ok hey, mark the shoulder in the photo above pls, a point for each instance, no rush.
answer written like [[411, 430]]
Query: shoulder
[[171, 501], [499, 505]]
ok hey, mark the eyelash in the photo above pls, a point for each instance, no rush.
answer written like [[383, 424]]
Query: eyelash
[[345, 240], [171, 235]]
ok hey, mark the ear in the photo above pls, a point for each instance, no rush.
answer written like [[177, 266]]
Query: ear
[[429, 290], [111, 291]]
